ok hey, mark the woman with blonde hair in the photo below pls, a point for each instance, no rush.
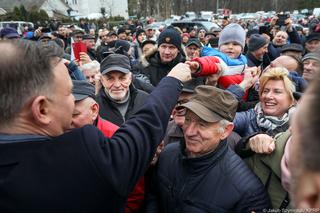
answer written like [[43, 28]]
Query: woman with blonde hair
[[276, 103], [263, 149]]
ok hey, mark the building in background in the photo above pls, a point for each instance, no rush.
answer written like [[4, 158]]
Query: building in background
[[54, 8], [98, 8]]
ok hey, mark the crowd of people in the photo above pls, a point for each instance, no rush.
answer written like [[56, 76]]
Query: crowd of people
[[160, 120]]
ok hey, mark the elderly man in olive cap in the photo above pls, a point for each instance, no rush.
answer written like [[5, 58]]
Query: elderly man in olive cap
[[201, 174]]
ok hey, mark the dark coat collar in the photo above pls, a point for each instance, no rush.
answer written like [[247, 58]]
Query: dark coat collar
[[202, 163]]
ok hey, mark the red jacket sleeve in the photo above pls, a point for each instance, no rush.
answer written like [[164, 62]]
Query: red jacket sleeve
[[106, 127], [226, 81], [136, 197], [208, 65]]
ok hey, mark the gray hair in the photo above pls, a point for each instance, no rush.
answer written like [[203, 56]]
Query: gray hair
[[94, 65], [222, 125]]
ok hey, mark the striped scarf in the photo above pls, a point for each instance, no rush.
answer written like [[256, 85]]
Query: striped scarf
[[272, 125]]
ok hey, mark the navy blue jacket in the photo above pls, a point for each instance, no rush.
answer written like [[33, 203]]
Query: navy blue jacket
[[81, 170], [217, 182]]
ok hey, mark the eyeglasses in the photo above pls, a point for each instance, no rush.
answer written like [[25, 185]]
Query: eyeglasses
[[182, 101], [181, 110]]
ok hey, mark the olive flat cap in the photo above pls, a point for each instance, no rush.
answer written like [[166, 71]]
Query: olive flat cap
[[212, 104]]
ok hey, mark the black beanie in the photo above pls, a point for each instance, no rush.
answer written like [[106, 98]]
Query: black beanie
[[121, 30], [139, 31], [170, 36], [312, 36], [256, 41]]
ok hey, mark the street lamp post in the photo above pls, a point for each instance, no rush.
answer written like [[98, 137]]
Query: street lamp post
[[217, 6]]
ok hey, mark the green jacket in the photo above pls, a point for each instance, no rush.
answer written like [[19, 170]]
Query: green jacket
[[267, 168]]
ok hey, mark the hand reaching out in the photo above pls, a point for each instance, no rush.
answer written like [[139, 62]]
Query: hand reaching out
[[251, 76]]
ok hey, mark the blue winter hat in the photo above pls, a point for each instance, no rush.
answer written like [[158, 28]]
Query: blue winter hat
[[170, 36], [9, 33], [232, 33]]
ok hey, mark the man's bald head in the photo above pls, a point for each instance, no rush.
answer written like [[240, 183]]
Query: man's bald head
[[288, 62]]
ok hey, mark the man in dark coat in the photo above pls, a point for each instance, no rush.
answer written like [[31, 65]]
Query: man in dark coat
[[160, 62], [86, 112], [257, 51], [118, 98], [45, 166], [201, 174], [281, 38], [90, 42], [257, 56]]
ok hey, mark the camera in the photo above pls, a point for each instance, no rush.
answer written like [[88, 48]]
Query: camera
[[281, 19]]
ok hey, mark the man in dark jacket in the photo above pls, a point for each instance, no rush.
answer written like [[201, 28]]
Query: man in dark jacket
[[118, 99], [90, 42], [281, 38], [257, 51], [257, 56], [201, 174], [86, 112], [45, 166], [168, 54]]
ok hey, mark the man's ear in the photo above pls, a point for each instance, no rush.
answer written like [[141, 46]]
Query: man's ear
[[94, 111], [227, 131], [130, 76], [309, 191], [40, 110]]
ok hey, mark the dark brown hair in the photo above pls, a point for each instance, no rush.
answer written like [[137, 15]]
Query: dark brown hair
[[25, 72]]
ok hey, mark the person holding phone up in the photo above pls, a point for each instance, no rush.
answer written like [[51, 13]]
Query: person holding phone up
[[283, 32]]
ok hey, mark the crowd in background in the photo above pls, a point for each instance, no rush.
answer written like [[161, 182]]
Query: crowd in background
[[229, 145]]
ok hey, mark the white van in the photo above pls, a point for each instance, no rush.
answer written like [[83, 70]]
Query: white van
[[207, 15], [316, 12], [18, 25]]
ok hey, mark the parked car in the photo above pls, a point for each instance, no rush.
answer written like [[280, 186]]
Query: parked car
[[207, 25], [206, 15], [316, 12], [18, 25], [156, 25], [190, 15]]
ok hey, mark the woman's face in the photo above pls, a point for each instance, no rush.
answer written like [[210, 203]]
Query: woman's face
[[275, 100]]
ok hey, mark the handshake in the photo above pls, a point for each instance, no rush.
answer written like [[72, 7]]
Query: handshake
[[185, 71], [213, 71]]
